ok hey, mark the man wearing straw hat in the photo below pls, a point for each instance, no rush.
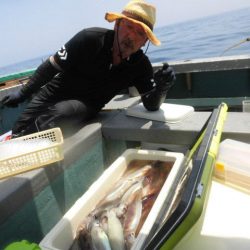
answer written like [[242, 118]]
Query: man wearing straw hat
[[90, 69]]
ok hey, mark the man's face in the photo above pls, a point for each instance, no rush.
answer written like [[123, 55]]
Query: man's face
[[131, 37]]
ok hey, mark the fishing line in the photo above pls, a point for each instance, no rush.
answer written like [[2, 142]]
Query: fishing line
[[236, 45], [117, 38], [147, 47]]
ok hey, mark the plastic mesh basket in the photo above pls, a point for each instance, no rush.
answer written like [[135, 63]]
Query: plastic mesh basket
[[38, 154]]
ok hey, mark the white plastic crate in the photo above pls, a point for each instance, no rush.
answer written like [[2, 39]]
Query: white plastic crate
[[62, 235], [29, 152]]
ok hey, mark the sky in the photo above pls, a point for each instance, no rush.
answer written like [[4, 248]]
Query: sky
[[31, 29]]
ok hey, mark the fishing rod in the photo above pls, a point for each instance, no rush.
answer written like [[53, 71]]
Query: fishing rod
[[235, 45]]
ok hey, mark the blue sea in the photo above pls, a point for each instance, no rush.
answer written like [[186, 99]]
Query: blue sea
[[199, 38]]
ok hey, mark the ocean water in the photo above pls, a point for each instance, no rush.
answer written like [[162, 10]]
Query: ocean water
[[199, 38], [205, 37]]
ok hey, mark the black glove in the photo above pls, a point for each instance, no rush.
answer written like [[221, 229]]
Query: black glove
[[164, 77], [12, 100]]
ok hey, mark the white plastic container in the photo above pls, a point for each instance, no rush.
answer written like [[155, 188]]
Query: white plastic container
[[246, 106], [233, 163], [62, 235]]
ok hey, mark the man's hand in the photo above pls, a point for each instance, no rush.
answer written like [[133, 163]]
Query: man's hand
[[12, 100], [164, 77]]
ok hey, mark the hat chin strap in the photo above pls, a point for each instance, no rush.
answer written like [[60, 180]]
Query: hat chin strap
[[147, 47], [117, 38]]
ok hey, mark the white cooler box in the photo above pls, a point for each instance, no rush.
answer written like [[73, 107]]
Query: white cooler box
[[62, 235]]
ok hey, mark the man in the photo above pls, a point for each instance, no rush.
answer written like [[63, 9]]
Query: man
[[90, 69]]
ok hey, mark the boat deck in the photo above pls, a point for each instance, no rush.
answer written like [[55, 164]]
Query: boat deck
[[114, 124], [111, 124], [219, 226], [117, 125]]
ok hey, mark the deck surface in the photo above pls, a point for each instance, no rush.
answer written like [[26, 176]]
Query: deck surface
[[219, 226]]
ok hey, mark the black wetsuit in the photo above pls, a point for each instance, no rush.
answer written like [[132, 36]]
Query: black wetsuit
[[83, 83]]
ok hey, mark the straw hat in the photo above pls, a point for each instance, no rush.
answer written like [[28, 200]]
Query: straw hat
[[138, 11]]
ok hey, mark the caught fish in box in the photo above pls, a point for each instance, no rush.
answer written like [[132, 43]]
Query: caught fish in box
[[119, 209]]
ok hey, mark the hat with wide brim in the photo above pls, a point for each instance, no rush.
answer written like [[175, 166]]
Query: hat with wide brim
[[139, 12]]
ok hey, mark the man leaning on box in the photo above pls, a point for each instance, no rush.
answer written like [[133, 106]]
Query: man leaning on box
[[73, 85]]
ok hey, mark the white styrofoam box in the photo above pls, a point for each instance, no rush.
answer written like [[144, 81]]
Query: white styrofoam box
[[62, 235], [171, 113], [233, 162]]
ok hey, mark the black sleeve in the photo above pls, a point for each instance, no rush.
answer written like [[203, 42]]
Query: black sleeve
[[152, 96], [67, 56], [153, 99], [143, 75], [43, 74], [78, 50]]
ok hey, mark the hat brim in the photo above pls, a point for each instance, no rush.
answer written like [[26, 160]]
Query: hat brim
[[112, 16]]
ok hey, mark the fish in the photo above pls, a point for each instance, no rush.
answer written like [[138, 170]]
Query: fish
[[127, 198], [99, 210], [104, 221], [132, 219], [75, 245], [117, 219], [131, 175], [117, 193], [83, 238], [121, 187], [83, 241], [147, 204], [131, 192], [130, 240], [120, 210], [85, 224], [99, 238], [154, 181], [115, 231]]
